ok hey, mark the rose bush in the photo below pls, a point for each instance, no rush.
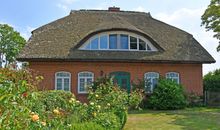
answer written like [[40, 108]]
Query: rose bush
[[23, 107]]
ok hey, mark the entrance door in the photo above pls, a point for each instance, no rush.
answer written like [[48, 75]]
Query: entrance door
[[122, 79]]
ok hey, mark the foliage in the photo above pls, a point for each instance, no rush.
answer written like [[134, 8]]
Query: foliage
[[86, 126], [194, 100], [167, 95], [141, 85], [212, 81], [108, 120], [211, 19], [14, 88], [10, 44], [135, 98], [23, 107], [109, 98]]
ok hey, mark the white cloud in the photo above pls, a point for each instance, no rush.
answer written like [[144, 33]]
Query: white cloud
[[2, 22], [140, 9], [64, 4], [68, 1], [63, 7], [26, 32], [189, 20]]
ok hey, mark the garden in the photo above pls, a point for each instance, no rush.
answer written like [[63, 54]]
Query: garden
[[22, 106]]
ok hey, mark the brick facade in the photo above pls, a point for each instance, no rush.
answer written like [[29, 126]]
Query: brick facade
[[190, 74]]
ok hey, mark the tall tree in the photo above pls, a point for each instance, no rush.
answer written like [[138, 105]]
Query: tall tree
[[11, 43], [211, 19]]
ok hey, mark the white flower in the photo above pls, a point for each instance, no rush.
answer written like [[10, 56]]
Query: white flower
[[98, 106]]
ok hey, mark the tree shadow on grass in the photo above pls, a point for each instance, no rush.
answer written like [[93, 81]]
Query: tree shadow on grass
[[187, 119], [197, 120]]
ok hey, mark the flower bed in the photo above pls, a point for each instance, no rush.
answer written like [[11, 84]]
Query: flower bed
[[23, 107]]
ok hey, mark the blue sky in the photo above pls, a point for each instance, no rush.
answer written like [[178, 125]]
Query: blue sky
[[26, 15]]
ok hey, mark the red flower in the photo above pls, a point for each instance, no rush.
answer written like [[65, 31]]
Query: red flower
[[24, 94]]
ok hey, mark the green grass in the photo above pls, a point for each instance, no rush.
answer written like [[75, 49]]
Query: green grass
[[187, 119]]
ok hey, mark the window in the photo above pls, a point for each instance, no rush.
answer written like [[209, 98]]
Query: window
[[142, 45], [62, 81], [113, 41], [118, 40], [123, 41], [174, 76], [95, 43], [84, 80], [133, 43], [104, 42], [148, 48], [151, 79]]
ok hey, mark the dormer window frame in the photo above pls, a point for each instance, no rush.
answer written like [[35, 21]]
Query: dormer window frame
[[118, 35]]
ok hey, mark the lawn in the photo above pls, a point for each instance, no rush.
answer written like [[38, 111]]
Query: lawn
[[187, 119]]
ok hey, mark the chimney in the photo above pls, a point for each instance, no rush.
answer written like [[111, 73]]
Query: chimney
[[114, 9]]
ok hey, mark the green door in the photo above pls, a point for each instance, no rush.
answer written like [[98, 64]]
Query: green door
[[122, 79]]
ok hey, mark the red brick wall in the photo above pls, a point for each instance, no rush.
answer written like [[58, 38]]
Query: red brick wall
[[190, 74]]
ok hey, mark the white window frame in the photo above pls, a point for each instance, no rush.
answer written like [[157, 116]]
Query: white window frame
[[151, 79], [69, 77], [83, 47], [178, 76], [78, 87]]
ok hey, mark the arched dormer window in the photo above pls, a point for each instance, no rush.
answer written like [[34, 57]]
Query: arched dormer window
[[118, 40]]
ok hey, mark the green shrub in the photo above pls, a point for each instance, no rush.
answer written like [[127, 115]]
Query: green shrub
[[194, 100], [50, 100], [135, 98], [106, 97], [123, 115], [167, 95], [14, 88], [23, 107], [108, 120], [85, 126], [212, 81]]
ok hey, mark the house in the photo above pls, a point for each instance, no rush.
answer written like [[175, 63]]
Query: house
[[73, 51]]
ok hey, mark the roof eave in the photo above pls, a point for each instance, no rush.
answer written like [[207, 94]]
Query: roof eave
[[111, 60]]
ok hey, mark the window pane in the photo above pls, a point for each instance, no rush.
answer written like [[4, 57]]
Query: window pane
[[66, 84], [113, 41], [63, 74], [154, 82], [89, 81], [85, 74], [133, 39], [173, 76], [175, 80], [82, 85], [133, 43], [87, 47], [59, 84], [94, 43], [148, 85], [148, 48], [103, 42], [123, 41], [142, 45]]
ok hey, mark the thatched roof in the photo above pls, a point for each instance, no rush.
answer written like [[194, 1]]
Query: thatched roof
[[61, 39]]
